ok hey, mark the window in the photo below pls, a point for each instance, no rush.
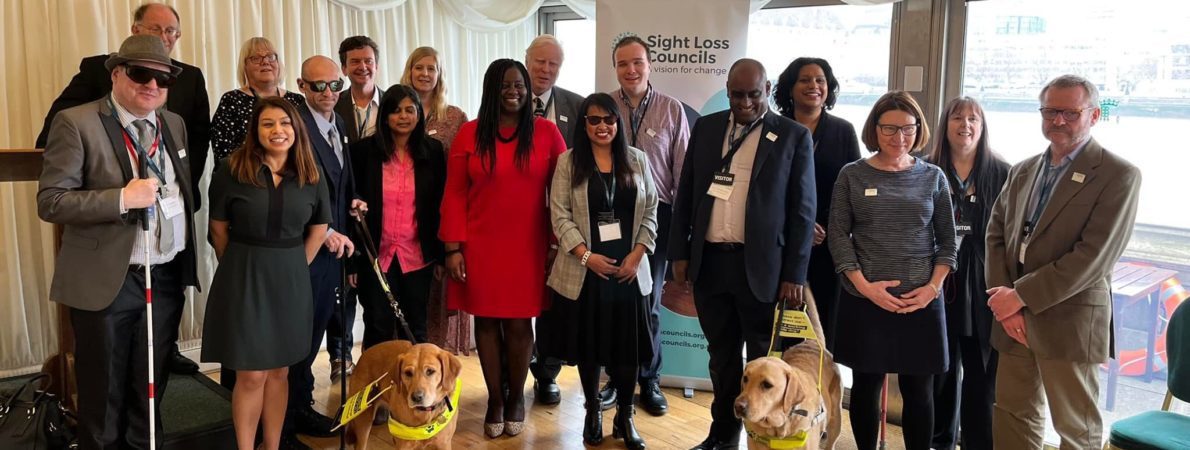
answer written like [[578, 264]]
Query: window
[[578, 69], [853, 39], [1141, 63]]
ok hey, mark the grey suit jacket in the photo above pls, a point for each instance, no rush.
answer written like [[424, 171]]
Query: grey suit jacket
[[566, 114], [1065, 281], [85, 166], [571, 219], [345, 108]]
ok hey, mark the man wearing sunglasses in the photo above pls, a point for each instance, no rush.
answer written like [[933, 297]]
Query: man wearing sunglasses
[[320, 83], [187, 98], [1056, 231], [105, 162]]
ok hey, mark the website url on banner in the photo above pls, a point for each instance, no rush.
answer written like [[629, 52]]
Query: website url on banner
[[682, 333], [686, 344]]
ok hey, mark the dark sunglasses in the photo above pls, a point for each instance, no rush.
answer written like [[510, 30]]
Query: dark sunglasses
[[607, 120], [319, 86], [142, 75]]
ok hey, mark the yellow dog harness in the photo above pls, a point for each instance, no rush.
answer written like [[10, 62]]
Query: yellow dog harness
[[429, 430], [797, 439], [795, 324]]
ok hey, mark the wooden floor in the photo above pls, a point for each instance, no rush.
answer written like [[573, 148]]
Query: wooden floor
[[553, 427]]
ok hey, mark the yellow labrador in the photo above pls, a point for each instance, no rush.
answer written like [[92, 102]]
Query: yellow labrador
[[422, 377]]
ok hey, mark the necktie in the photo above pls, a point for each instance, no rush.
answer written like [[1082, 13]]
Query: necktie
[[333, 137], [165, 229], [539, 107]]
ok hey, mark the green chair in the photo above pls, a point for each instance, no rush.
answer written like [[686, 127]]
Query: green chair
[[1164, 430]]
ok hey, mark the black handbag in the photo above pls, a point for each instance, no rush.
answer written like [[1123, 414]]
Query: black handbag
[[32, 419]]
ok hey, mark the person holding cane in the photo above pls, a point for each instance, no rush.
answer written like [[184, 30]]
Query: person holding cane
[[92, 183]]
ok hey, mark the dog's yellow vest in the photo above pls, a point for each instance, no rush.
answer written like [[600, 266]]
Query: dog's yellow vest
[[429, 430]]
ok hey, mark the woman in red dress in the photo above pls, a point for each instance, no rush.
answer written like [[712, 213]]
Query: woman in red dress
[[495, 224]]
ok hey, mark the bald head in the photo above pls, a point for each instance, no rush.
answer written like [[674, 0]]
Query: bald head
[[320, 82], [748, 90]]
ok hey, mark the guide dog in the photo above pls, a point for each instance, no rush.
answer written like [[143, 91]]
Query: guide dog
[[422, 378], [779, 397]]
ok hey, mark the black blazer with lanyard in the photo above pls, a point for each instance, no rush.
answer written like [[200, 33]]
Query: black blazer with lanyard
[[429, 178], [779, 217]]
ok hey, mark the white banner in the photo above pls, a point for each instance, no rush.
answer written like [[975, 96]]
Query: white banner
[[693, 43]]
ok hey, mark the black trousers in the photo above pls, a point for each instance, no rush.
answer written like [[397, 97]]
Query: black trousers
[[336, 333], [917, 412], [825, 285], [324, 281], [412, 291], [111, 360], [731, 317], [965, 395]]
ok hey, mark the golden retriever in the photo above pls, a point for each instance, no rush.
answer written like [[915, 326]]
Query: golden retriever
[[422, 378], [779, 396]]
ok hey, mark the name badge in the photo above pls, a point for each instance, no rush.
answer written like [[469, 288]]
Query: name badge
[[651, 133], [563, 118], [171, 206], [721, 185], [609, 231], [870, 192], [1078, 177], [181, 153], [962, 228], [431, 132], [772, 137], [1024, 247]]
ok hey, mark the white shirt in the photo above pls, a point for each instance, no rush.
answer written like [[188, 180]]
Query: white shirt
[[171, 190], [364, 113], [727, 216]]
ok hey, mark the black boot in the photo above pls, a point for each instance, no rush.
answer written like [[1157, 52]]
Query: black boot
[[593, 427], [624, 428]]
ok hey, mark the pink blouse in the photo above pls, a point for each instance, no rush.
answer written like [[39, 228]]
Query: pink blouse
[[398, 235]]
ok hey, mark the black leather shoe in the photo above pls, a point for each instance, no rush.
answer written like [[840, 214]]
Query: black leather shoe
[[624, 428], [652, 400], [309, 422], [548, 392], [181, 365], [607, 397], [593, 427], [711, 443]]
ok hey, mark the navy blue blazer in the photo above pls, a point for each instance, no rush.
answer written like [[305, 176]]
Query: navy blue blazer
[[339, 180], [779, 217]]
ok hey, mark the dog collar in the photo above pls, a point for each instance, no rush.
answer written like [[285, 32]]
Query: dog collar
[[429, 430], [798, 438]]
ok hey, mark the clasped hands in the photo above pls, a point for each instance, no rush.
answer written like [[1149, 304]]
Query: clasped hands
[[877, 292], [605, 268], [1006, 306]]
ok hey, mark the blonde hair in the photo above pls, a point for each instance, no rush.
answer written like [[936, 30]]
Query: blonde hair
[[436, 104], [251, 47]]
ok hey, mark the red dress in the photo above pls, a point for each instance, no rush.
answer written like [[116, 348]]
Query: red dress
[[502, 219]]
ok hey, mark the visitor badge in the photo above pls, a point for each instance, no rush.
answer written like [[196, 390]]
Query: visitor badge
[[721, 185], [870, 192], [962, 228], [432, 132], [650, 132], [772, 137], [1024, 246], [171, 206], [1078, 177], [563, 118], [609, 231], [181, 153]]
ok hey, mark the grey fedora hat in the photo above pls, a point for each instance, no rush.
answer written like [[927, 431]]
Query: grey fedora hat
[[145, 48]]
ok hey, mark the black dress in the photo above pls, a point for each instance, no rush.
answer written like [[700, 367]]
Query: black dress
[[260, 307], [608, 324], [229, 126]]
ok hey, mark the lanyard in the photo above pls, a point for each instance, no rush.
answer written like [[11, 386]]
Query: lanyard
[[1049, 178], [362, 123], [134, 147], [960, 183], [737, 142], [635, 115], [255, 95], [609, 192]]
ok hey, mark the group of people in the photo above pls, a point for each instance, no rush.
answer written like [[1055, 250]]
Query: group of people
[[571, 210]]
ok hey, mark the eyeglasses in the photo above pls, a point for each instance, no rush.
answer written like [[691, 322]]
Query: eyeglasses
[[1068, 115], [142, 75], [607, 120], [258, 59], [889, 130], [319, 86], [167, 32]]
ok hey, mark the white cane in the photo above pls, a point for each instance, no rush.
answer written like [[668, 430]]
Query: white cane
[[149, 215]]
